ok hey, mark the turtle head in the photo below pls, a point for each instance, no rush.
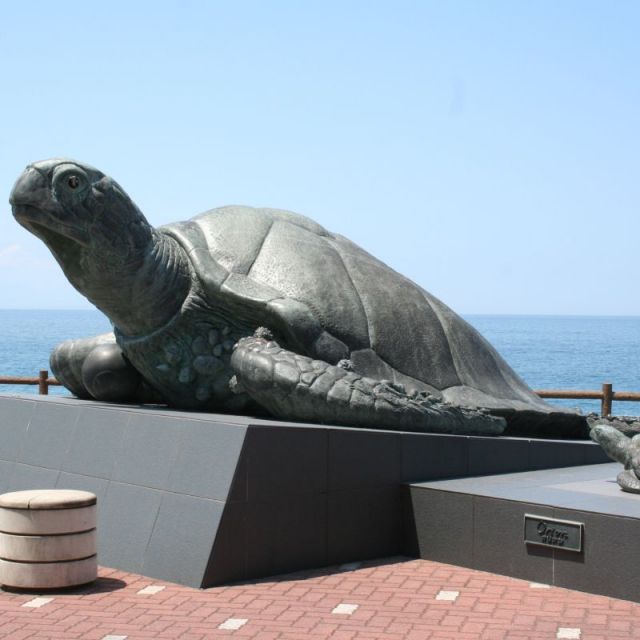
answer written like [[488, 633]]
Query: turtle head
[[615, 444], [83, 216], [105, 246]]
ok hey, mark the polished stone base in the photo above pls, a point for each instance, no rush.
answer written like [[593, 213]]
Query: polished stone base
[[479, 523], [204, 499]]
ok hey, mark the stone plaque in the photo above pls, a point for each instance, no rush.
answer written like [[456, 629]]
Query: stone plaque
[[551, 532]]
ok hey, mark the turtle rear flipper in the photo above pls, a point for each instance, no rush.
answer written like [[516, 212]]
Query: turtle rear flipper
[[295, 387], [67, 358], [95, 368]]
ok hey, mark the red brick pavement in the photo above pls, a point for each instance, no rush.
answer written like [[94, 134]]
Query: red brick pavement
[[396, 600]]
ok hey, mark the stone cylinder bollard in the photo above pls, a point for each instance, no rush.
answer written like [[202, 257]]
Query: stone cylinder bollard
[[47, 539]]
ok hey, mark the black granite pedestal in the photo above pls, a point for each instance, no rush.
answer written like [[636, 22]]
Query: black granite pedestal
[[204, 499], [479, 523]]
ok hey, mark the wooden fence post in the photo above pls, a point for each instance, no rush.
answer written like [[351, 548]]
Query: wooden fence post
[[607, 398], [43, 382]]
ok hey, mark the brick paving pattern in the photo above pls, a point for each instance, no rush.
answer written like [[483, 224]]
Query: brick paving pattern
[[396, 599]]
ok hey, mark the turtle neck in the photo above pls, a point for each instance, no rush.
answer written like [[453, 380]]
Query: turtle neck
[[140, 291]]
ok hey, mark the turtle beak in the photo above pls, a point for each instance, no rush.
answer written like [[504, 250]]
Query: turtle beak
[[30, 190], [37, 211]]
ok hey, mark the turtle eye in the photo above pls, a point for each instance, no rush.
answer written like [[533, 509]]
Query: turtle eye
[[69, 181]]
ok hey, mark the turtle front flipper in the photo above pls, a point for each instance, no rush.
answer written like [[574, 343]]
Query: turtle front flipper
[[95, 368], [295, 387]]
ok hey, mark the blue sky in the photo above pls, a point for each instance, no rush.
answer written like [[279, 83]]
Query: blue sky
[[487, 150]]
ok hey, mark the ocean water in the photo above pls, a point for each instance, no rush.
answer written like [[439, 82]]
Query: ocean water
[[570, 352], [548, 352], [27, 338]]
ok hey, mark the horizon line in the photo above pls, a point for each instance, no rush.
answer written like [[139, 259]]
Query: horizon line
[[463, 314]]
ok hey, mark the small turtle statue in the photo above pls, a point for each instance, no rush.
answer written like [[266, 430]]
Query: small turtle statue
[[623, 449], [263, 311]]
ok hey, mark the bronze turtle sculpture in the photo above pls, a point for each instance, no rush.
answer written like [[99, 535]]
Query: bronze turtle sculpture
[[623, 449], [245, 309]]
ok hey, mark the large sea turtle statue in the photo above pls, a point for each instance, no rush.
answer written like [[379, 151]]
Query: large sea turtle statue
[[259, 310]]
